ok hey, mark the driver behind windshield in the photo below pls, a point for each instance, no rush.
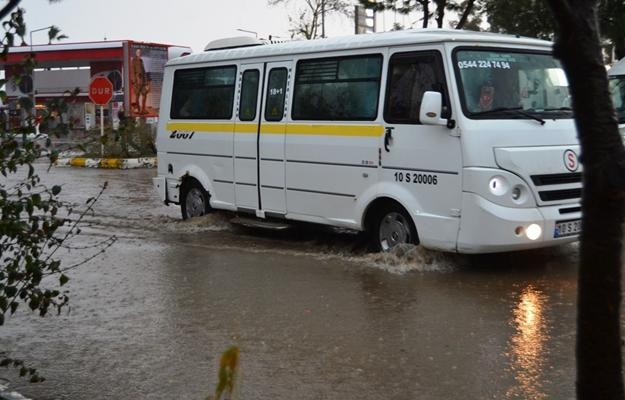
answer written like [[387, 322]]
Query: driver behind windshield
[[494, 93]]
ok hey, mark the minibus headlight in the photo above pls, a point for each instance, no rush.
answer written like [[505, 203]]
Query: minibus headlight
[[533, 231], [498, 185]]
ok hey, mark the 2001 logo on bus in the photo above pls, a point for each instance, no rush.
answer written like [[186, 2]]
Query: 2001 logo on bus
[[181, 135]]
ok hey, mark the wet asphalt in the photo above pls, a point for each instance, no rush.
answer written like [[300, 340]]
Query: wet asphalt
[[314, 314]]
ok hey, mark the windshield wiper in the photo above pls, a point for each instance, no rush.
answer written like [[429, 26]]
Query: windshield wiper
[[567, 109], [507, 110]]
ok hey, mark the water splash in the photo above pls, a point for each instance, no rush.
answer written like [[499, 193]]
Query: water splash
[[214, 222], [406, 258], [5, 394]]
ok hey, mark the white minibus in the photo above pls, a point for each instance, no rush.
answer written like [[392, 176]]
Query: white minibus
[[458, 141]]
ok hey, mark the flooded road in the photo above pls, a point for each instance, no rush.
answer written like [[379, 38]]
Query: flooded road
[[314, 314]]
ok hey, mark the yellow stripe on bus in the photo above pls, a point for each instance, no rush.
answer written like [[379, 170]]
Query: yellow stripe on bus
[[272, 129], [335, 130], [208, 127], [280, 129], [246, 128]]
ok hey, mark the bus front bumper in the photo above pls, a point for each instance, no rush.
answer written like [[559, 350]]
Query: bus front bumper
[[167, 189], [486, 227]]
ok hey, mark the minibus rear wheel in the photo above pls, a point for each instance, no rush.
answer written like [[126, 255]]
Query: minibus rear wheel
[[193, 199], [393, 226]]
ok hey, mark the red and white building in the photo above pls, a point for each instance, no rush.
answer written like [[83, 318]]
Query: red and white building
[[134, 68]]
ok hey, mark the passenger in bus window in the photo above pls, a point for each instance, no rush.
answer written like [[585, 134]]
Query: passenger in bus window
[[487, 95]]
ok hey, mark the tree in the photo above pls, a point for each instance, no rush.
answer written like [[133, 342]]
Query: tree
[[521, 17], [611, 17], [465, 8], [35, 223], [577, 45], [532, 18], [310, 18], [470, 12], [54, 34], [404, 7]]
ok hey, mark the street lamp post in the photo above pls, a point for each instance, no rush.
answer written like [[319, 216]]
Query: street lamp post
[[34, 91]]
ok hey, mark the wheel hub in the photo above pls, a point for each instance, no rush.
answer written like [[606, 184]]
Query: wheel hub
[[195, 203], [394, 230]]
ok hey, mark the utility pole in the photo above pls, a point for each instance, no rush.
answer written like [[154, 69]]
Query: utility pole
[[32, 77], [323, 19]]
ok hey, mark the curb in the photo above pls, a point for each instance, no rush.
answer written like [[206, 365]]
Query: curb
[[109, 163]]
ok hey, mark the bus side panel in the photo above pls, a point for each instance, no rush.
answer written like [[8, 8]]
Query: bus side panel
[[327, 173], [332, 152], [200, 148], [216, 166], [425, 159]]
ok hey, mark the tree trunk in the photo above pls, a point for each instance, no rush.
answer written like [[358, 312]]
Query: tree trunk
[[440, 12], [465, 15], [426, 12], [598, 347], [619, 48]]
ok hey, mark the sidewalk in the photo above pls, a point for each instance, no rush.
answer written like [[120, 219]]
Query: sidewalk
[[111, 163], [72, 158]]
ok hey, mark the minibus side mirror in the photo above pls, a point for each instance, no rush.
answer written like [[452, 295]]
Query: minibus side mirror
[[431, 109]]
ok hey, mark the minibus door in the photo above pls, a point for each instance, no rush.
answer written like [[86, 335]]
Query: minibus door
[[246, 137], [272, 139], [425, 160]]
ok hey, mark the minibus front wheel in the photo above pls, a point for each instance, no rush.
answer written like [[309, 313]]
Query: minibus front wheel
[[393, 226], [193, 199]]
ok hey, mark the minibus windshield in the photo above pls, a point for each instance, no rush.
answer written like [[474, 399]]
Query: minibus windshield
[[504, 84], [617, 88]]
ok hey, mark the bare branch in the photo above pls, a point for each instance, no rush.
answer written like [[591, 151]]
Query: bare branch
[[10, 6], [465, 14]]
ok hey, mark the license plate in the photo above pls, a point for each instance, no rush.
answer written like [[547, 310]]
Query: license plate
[[567, 228]]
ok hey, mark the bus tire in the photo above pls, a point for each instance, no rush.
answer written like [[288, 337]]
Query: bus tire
[[392, 226], [193, 200]]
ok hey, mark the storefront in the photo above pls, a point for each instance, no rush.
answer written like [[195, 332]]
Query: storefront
[[63, 73]]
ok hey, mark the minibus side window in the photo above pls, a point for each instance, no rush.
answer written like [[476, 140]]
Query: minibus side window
[[335, 89], [203, 93], [276, 91], [249, 95], [410, 75]]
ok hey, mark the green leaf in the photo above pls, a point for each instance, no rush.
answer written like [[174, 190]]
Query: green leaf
[[56, 189], [63, 279], [10, 291], [34, 303]]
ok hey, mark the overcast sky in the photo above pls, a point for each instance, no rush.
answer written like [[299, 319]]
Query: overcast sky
[[181, 22]]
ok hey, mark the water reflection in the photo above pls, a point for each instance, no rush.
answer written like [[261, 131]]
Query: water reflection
[[528, 346]]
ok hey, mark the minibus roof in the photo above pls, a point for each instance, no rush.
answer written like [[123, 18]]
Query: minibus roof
[[396, 38]]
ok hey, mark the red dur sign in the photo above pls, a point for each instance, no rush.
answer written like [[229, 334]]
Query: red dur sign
[[100, 90]]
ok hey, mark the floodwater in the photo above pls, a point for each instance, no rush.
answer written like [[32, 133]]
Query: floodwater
[[315, 316]]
